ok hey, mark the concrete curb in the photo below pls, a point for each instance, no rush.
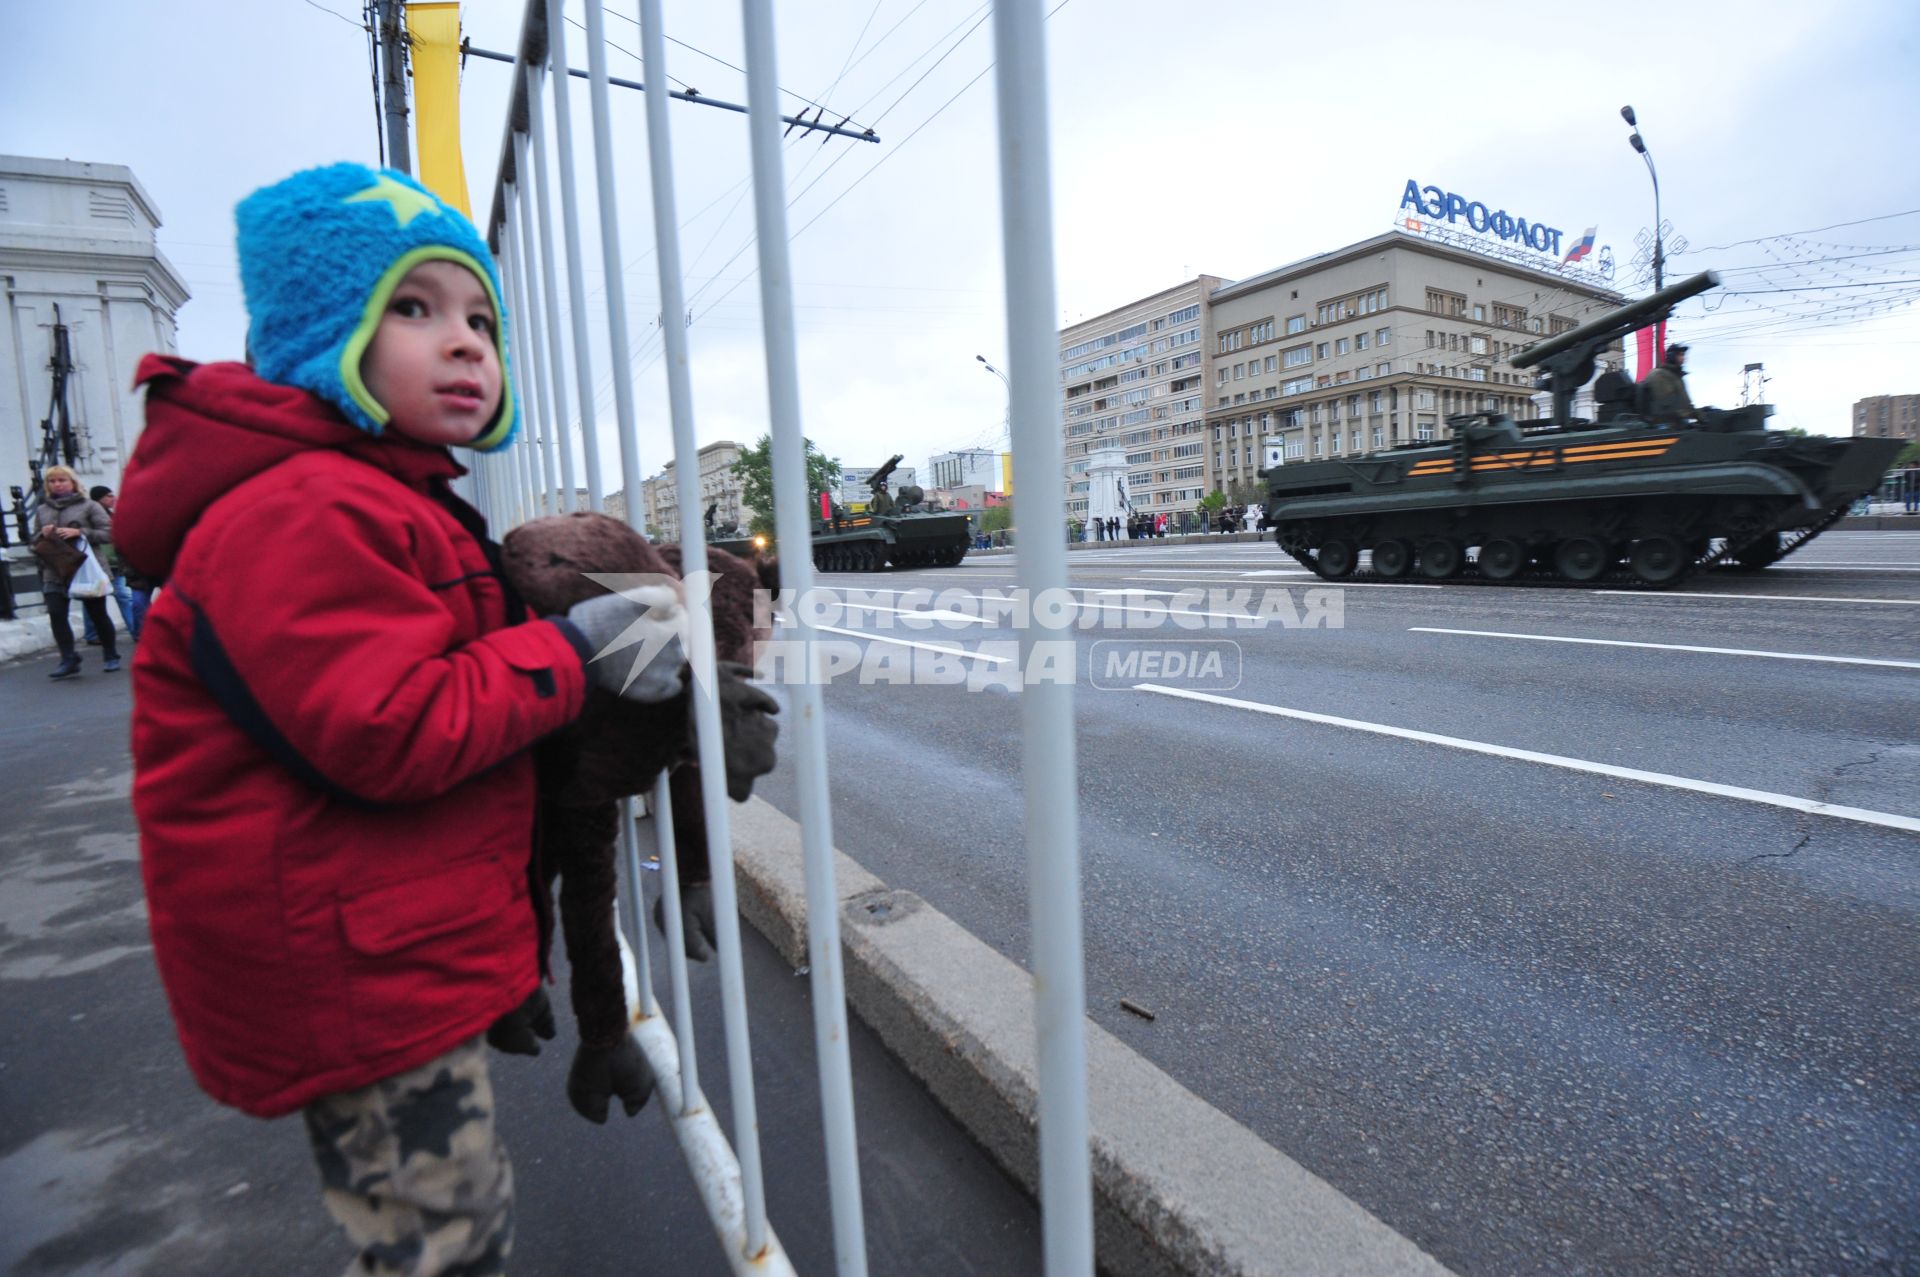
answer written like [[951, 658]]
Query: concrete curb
[[25, 636], [1179, 1187]]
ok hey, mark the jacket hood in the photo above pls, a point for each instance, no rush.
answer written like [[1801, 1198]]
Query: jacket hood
[[212, 427]]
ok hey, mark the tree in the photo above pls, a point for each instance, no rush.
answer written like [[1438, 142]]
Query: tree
[[754, 470], [1247, 492], [1213, 502], [1909, 456], [996, 518]]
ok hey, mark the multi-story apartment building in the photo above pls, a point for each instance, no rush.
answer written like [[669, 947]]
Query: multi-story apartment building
[[1376, 344], [970, 467], [1887, 417], [1137, 378], [718, 488]]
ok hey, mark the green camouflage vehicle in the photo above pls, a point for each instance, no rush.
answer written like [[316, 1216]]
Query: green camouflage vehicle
[[1621, 499]]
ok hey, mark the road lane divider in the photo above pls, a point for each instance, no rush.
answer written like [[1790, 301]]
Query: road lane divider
[[1764, 598], [1671, 647], [1859, 815]]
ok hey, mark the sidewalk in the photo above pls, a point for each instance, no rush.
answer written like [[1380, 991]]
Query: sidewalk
[[112, 1160]]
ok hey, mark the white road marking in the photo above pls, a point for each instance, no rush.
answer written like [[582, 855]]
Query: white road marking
[[1247, 618], [925, 647], [1861, 815], [940, 614], [1670, 647], [1765, 598]]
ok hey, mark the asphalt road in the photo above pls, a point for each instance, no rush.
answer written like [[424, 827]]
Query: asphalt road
[[1538, 1015]]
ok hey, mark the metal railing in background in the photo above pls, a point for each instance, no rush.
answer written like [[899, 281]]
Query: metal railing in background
[[536, 476]]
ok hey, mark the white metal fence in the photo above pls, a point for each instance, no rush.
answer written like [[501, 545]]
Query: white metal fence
[[546, 282]]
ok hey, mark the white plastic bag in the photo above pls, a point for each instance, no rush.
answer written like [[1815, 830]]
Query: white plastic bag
[[90, 579]]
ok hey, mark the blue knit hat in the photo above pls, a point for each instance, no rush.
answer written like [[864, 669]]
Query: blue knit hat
[[320, 256]]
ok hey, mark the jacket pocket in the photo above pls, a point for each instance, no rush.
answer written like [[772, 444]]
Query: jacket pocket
[[424, 954]]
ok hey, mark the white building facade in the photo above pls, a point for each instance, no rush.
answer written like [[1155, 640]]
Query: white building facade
[[969, 467], [77, 250]]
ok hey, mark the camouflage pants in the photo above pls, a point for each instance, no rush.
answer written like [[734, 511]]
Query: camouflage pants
[[412, 1169]]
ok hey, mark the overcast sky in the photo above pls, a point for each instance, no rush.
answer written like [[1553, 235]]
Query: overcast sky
[[1226, 138]]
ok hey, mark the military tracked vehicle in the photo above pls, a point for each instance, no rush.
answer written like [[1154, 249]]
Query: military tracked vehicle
[[1619, 499], [902, 530]]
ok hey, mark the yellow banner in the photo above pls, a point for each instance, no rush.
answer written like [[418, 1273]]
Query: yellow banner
[[435, 33]]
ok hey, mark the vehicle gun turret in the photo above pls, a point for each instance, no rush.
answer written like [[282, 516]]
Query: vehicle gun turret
[[1566, 360]]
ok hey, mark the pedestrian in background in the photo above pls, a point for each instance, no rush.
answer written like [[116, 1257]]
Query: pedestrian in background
[[70, 515], [101, 495]]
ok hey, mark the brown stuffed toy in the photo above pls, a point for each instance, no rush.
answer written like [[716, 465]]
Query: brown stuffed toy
[[615, 749]]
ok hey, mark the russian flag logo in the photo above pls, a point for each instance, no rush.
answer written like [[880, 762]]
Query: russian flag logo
[[1581, 247]]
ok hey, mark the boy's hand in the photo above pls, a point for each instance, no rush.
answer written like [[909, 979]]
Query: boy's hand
[[632, 642], [601, 1072], [516, 1031]]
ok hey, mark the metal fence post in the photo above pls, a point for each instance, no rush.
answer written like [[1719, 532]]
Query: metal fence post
[[1046, 704], [796, 572], [570, 232], [693, 558]]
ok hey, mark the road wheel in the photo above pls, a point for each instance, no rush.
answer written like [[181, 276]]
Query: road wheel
[[1391, 559], [1335, 560], [1501, 559], [1439, 558], [1760, 554], [1658, 560], [1580, 558]]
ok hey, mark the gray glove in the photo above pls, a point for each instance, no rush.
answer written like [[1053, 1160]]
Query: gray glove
[[633, 642]]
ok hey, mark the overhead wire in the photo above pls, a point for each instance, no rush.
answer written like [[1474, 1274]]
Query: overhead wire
[[641, 347]]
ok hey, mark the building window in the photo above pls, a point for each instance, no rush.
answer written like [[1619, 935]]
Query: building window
[[1321, 350], [1296, 324], [1272, 363], [1360, 341], [1423, 432], [1477, 344], [1381, 370], [1343, 346], [1382, 336], [1298, 357], [1479, 314]]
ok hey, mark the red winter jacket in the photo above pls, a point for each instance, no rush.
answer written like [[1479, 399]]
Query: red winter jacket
[[330, 731]]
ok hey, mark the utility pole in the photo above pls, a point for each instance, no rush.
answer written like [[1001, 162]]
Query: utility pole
[[1753, 384], [393, 84]]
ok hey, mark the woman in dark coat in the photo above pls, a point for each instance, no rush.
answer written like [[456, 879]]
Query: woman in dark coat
[[68, 512]]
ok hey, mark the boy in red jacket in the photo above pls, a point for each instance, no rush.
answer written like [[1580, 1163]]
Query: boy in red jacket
[[334, 701]]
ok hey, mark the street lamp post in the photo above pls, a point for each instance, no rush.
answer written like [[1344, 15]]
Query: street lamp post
[[1008, 420], [1639, 144]]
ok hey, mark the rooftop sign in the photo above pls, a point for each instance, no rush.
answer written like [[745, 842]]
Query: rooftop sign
[[1441, 215]]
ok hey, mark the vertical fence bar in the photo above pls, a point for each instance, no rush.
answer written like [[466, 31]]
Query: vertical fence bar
[[637, 908], [1046, 704], [557, 381], [691, 1096], [532, 406], [693, 558], [517, 354], [611, 260], [570, 232], [530, 276], [791, 511]]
